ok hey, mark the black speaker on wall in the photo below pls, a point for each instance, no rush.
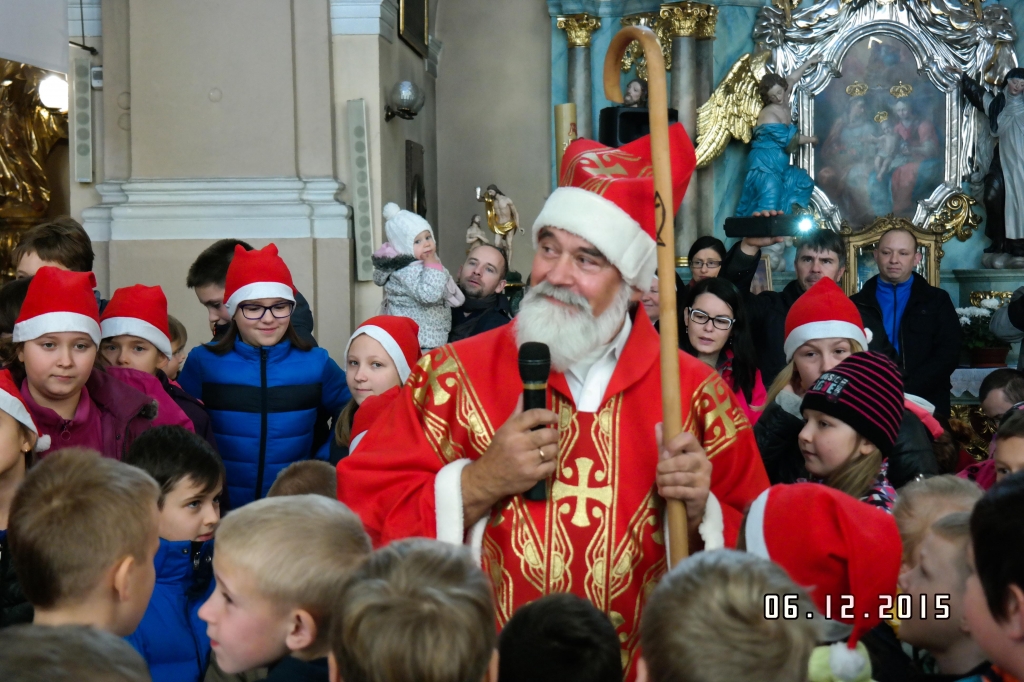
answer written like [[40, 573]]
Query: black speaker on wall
[[622, 125]]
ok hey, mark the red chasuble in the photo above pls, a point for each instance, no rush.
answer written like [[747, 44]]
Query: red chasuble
[[599, 535]]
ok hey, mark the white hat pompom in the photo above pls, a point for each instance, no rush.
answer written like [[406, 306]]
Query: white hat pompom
[[391, 209]]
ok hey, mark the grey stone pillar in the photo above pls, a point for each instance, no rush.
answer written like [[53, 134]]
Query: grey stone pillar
[[578, 29], [683, 23], [705, 82]]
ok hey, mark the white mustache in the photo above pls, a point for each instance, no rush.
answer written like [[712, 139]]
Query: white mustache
[[560, 294]]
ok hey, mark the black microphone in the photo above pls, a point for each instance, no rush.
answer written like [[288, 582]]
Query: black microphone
[[534, 368]]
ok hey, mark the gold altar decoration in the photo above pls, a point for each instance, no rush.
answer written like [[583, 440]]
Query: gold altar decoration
[[787, 7], [28, 131], [857, 89], [683, 262], [732, 110], [578, 28], [978, 296], [634, 55], [901, 89], [955, 218], [978, 427], [862, 241], [881, 116], [672, 20]]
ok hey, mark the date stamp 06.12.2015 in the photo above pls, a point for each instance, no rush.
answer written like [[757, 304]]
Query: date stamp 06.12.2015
[[886, 606]]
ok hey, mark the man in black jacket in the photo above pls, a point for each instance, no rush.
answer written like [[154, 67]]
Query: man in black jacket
[[918, 320], [819, 254], [482, 280]]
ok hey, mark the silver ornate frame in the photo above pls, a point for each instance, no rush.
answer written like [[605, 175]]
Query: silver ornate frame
[[945, 36]]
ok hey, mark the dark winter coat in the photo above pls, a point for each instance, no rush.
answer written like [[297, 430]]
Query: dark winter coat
[[291, 669], [467, 323], [14, 607], [171, 636], [191, 407], [929, 339], [778, 429], [264, 403]]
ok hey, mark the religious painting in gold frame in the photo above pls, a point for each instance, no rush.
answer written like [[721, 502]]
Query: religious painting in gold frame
[[414, 24]]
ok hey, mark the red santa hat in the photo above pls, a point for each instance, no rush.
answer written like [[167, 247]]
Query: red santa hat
[[606, 196], [398, 335], [139, 311], [836, 547], [256, 274], [824, 312], [59, 301], [13, 404]]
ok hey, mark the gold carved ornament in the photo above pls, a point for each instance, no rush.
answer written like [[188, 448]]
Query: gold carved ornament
[[978, 296], [857, 89], [901, 89], [673, 20], [634, 55], [733, 108], [881, 116], [956, 218], [578, 28], [972, 430]]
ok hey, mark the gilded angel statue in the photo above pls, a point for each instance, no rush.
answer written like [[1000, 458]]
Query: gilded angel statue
[[752, 104]]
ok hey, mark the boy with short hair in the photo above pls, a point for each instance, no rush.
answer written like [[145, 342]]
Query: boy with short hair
[[61, 243], [940, 568], [171, 637], [83, 531], [209, 272], [994, 597], [1009, 452], [135, 328], [731, 639], [68, 653], [308, 477], [280, 566], [416, 611], [920, 503], [559, 638]]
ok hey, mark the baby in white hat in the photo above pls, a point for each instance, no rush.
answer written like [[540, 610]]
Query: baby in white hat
[[415, 283]]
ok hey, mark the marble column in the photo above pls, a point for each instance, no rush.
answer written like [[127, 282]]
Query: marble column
[[578, 29], [686, 24]]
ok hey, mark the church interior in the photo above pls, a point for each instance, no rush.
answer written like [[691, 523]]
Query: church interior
[[297, 121]]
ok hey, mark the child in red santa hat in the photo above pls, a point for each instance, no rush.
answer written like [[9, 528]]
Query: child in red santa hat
[[57, 336], [378, 359], [262, 384], [19, 440], [846, 555], [136, 336]]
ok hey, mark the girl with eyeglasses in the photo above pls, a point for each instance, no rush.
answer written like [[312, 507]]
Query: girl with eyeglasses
[[716, 333], [262, 384]]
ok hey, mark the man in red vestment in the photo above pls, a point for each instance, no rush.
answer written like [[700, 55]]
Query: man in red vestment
[[453, 455]]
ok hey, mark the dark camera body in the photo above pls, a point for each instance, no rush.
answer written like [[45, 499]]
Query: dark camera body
[[769, 226]]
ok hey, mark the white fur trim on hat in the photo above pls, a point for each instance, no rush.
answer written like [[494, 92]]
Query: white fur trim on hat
[[754, 530], [256, 291], [133, 326], [602, 223], [391, 347], [13, 406], [920, 402], [712, 526], [845, 663], [55, 323], [825, 329]]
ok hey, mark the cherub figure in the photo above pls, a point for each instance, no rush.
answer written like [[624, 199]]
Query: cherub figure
[[891, 147]]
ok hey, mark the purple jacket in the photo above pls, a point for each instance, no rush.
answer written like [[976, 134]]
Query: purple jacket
[[110, 416]]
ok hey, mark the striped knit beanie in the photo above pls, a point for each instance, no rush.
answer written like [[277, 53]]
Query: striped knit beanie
[[866, 392]]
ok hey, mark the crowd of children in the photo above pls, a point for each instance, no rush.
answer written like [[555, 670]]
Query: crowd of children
[[120, 462]]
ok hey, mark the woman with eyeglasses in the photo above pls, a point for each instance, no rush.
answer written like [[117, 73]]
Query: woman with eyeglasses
[[262, 384], [716, 333], [705, 259]]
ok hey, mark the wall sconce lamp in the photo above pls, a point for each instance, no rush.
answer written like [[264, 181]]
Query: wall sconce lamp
[[405, 101]]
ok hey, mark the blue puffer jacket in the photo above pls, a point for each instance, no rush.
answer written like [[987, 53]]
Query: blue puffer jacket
[[263, 403], [171, 636]]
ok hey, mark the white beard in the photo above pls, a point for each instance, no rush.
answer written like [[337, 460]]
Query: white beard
[[571, 332]]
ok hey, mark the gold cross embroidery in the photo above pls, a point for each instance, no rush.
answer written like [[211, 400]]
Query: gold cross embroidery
[[434, 381], [582, 492], [721, 411], [600, 168]]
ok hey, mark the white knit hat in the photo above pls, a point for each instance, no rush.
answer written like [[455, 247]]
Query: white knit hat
[[402, 227]]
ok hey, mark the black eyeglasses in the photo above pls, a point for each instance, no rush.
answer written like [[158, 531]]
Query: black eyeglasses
[[251, 311], [712, 264], [699, 317]]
